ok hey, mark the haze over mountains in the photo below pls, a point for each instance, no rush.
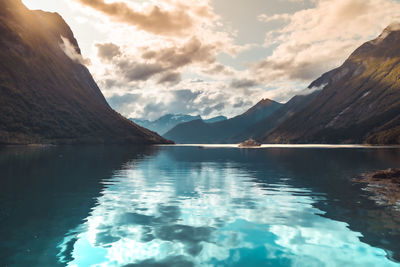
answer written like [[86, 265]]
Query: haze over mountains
[[46, 94], [359, 102], [198, 131], [165, 123]]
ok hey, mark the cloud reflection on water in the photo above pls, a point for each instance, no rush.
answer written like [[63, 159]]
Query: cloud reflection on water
[[162, 212]]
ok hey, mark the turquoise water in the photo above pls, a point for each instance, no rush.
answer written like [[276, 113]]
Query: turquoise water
[[186, 206]]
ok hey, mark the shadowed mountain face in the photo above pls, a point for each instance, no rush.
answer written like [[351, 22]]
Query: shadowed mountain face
[[46, 94], [258, 130], [360, 102], [226, 131]]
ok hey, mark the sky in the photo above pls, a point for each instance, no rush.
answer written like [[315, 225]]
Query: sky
[[214, 57]]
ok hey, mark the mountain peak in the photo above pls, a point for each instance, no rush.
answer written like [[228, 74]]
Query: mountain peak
[[263, 103], [393, 27]]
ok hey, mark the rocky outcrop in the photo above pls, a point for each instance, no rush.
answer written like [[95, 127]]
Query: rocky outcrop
[[385, 185], [249, 143]]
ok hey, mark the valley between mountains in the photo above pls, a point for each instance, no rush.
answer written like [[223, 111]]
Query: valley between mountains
[[49, 97]]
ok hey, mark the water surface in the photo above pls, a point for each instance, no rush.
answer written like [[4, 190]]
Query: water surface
[[186, 206]]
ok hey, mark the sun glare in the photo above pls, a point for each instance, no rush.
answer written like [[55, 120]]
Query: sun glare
[[39, 4]]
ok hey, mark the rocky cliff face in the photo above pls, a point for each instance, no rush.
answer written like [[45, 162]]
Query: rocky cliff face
[[47, 95], [360, 102]]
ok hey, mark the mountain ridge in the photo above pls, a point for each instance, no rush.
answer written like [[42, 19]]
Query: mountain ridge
[[359, 104]]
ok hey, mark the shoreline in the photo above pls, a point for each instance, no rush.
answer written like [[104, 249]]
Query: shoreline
[[328, 146]]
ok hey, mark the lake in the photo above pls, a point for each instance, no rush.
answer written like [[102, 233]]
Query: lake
[[191, 206]]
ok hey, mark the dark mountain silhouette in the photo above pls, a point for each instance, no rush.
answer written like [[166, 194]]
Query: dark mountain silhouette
[[201, 132], [258, 130], [360, 102], [46, 94]]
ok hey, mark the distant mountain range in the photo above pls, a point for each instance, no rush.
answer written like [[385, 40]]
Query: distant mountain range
[[359, 102], [198, 131], [47, 96], [165, 123]]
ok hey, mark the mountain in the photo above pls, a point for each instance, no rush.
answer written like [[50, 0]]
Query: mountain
[[46, 94], [258, 130], [216, 119], [166, 122], [198, 131], [360, 102]]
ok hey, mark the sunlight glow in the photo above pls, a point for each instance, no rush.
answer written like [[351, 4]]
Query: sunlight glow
[[41, 4]]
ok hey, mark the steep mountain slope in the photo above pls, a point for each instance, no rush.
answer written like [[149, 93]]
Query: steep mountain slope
[[221, 132], [360, 102], [47, 96]]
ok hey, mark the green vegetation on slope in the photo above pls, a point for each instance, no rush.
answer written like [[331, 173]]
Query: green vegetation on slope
[[359, 104]]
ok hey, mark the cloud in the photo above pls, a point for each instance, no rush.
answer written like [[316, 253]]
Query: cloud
[[240, 102], [178, 101], [244, 83], [156, 64], [133, 71], [186, 95], [123, 102], [170, 78], [173, 57], [178, 20], [206, 98], [218, 70], [320, 38], [156, 48], [210, 109], [166, 62], [71, 51], [266, 18], [108, 51]]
